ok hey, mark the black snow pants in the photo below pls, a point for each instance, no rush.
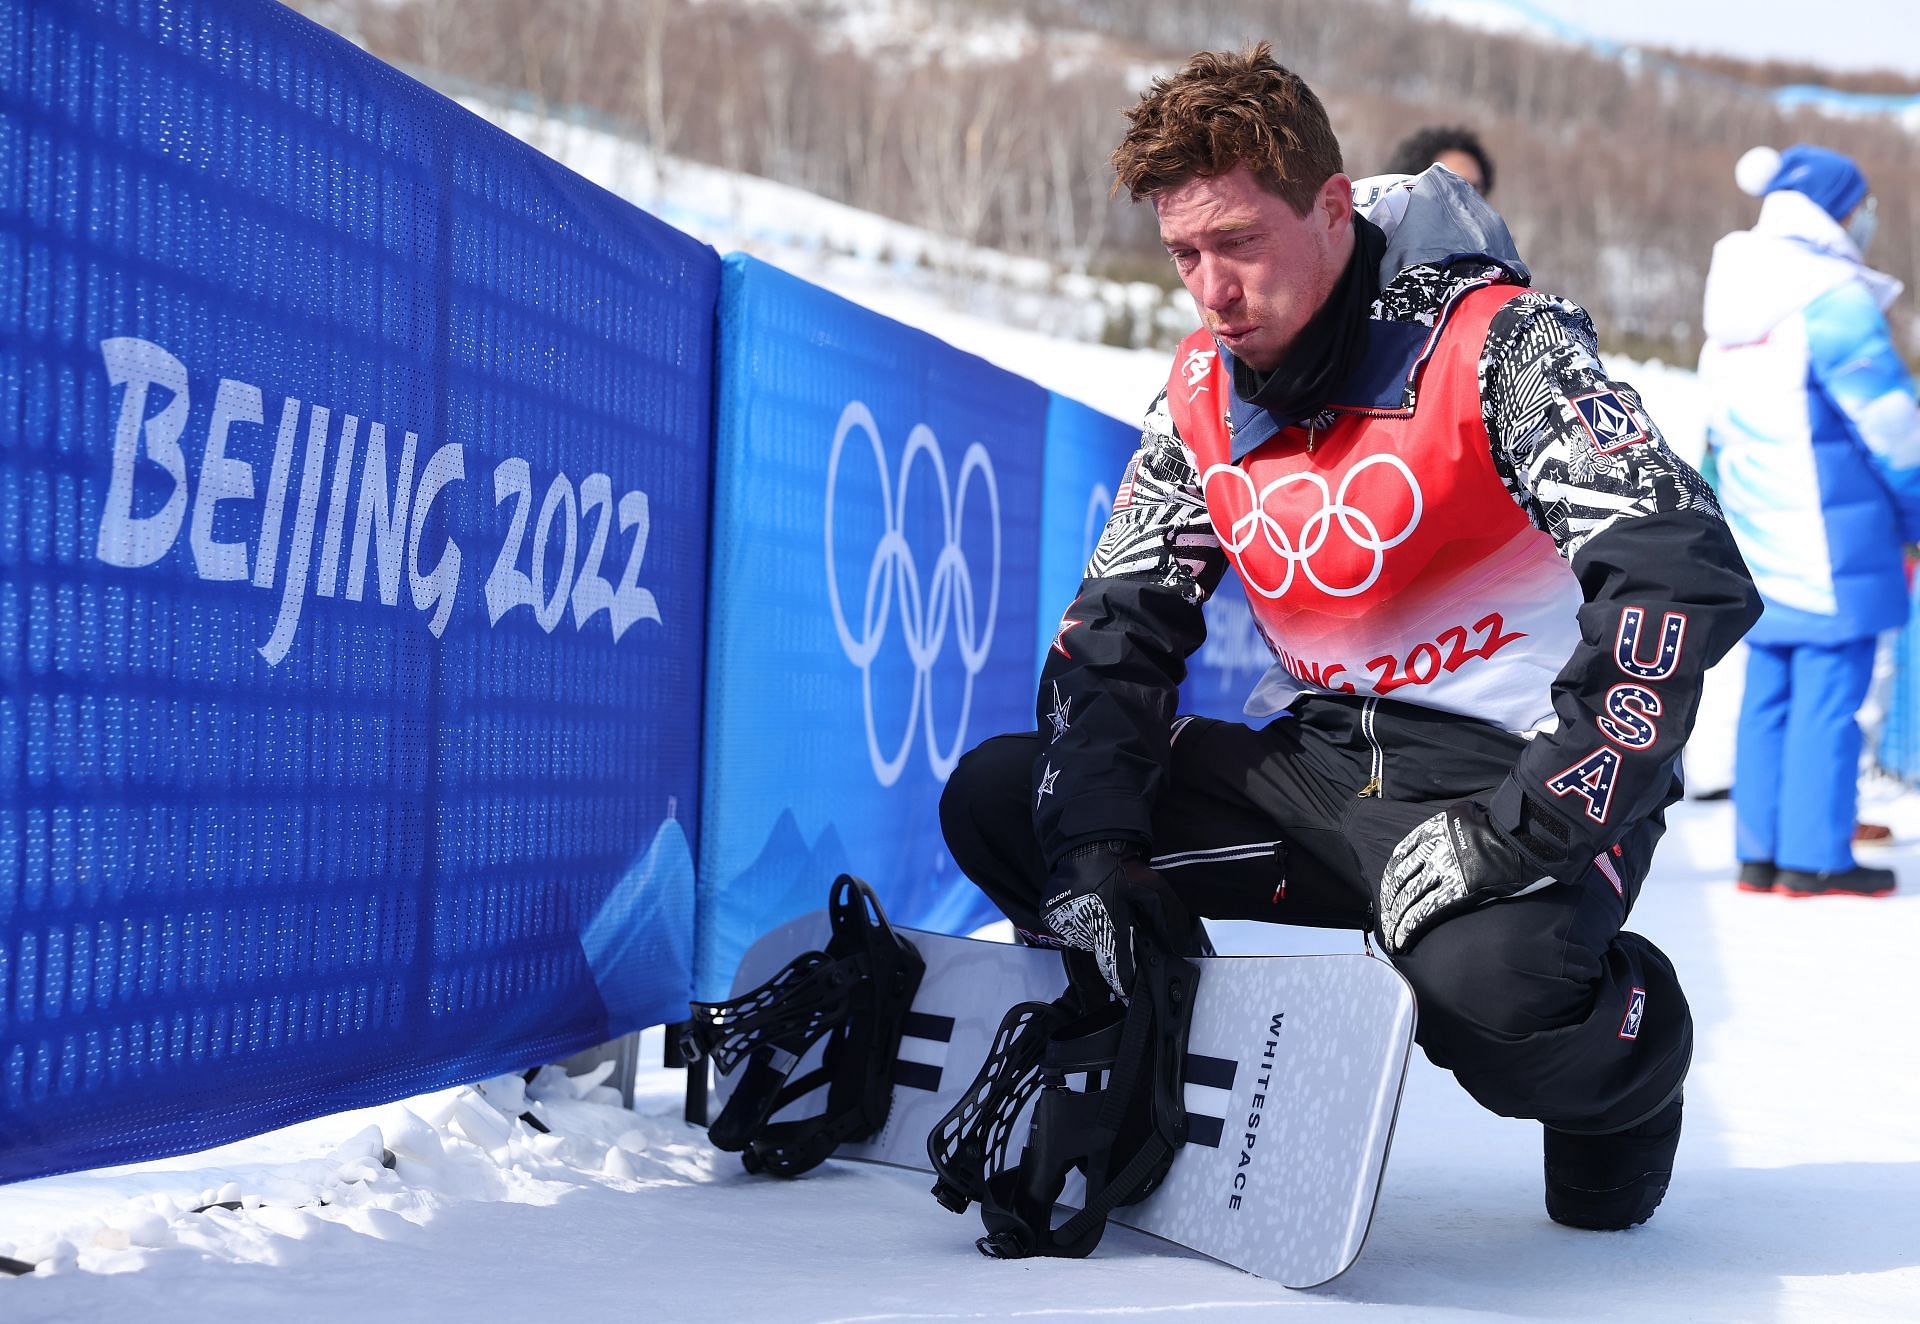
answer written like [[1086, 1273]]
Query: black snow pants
[[1540, 1004]]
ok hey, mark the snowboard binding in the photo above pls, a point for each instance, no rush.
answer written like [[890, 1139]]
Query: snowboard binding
[[854, 996], [1120, 1130]]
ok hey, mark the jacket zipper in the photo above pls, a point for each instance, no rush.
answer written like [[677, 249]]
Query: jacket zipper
[[1378, 765], [1446, 311]]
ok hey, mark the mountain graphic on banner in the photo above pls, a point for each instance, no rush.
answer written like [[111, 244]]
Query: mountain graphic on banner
[[641, 938], [789, 877]]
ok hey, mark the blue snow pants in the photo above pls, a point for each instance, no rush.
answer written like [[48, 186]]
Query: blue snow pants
[[1797, 760]]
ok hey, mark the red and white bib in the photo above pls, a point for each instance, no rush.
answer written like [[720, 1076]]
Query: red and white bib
[[1381, 554]]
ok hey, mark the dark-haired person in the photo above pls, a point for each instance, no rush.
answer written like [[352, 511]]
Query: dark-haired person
[[1490, 589], [1449, 145]]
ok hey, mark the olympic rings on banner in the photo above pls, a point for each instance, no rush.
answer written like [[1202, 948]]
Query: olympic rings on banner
[[926, 609]]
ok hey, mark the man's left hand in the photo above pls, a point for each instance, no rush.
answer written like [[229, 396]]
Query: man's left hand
[[1450, 863], [1099, 894]]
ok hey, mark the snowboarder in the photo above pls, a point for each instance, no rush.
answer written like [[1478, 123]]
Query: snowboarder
[[1491, 590]]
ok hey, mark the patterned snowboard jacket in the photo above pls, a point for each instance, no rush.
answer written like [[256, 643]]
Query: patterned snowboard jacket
[[1654, 590]]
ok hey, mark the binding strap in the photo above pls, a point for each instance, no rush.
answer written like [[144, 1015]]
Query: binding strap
[[855, 996], [1121, 1130]]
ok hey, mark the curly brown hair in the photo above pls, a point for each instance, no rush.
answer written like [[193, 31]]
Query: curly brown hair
[[1222, 111]]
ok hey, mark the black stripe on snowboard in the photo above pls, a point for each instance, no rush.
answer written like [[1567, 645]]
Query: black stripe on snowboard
[[1203, 1130], [1212, 1072], [917, 1076], [919, 1025]]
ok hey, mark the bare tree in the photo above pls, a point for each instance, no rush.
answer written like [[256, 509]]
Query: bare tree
[[961, 137], [1615, 175], [659, 98]]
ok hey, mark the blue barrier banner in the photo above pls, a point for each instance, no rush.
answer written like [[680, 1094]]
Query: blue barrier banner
[[1224, 670], [1087, 454], [876, 531], [353, 491], [1898, 750]]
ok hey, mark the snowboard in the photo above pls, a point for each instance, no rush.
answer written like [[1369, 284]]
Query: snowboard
[[1293, 1076]]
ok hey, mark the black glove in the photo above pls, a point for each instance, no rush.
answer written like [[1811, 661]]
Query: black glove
[[1450, 863], [1100, 894]]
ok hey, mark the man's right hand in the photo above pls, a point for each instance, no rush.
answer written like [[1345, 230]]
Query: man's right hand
[[1099, 894], [1450, 863]]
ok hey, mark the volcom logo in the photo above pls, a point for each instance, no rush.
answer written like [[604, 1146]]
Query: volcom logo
[[1608, 421], [945, 603], [1340, 568], [1636, 1009]]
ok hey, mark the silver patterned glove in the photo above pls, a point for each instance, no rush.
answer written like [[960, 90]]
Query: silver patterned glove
[[1097, 896], [1449, 863]]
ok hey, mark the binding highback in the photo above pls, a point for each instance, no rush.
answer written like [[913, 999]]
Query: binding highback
[[855, 996]]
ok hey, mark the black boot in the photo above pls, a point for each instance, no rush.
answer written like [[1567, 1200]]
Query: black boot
[[1860, 880], [1613, 1181], [1757, 875]]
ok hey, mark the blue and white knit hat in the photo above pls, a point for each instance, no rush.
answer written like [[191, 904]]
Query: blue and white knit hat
[[1830, 179]]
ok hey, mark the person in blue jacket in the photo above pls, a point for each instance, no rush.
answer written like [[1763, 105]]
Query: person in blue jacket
[[1815, 434]]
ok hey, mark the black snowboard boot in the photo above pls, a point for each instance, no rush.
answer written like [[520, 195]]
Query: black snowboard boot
[[1860, 880], [1757, 875], [1613, 1181]]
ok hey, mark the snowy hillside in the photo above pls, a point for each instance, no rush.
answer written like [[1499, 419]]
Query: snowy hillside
[[1797, 1197], [1018, 313]]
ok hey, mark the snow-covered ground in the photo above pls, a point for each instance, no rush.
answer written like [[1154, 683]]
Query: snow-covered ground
[[1797, 1195]]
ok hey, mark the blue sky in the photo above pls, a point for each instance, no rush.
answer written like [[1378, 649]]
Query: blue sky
[[1846, 34]]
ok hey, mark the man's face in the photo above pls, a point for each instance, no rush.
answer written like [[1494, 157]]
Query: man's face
[[1257, 271]]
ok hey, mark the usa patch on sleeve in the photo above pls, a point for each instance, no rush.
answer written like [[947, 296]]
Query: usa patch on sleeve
[[1608, 421]]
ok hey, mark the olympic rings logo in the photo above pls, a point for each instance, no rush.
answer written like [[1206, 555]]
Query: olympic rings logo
[[1297, 551], [926, 610]]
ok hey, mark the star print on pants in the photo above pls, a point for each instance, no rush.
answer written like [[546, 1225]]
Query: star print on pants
[[1048, 776], [1059, 639], [1060, 716]]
